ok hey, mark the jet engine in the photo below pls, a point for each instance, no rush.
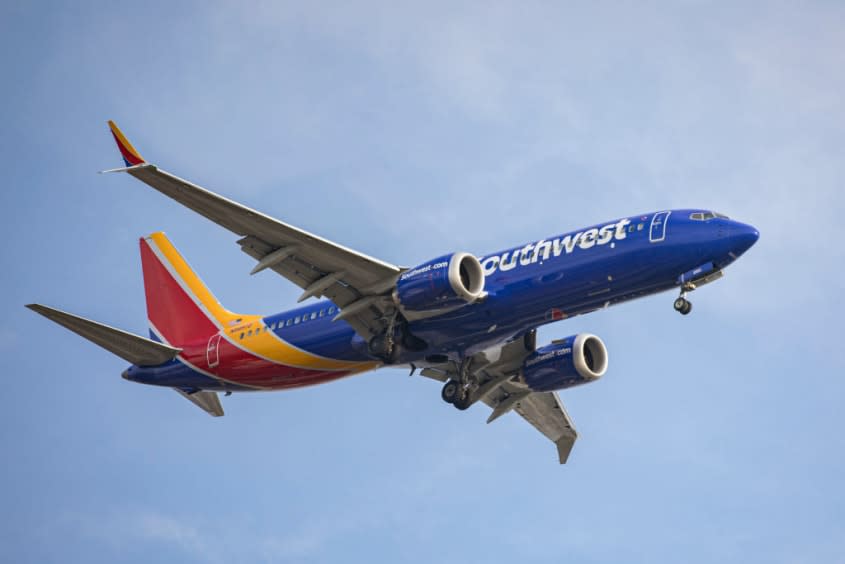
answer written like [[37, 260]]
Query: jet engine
[[440, 285], [565, 363]]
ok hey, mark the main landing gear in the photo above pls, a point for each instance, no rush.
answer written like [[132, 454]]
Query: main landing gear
[[458, 391], [682, 305], [455, 394]]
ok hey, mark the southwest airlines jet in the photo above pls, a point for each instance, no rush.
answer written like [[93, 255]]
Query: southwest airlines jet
[[467, 320]]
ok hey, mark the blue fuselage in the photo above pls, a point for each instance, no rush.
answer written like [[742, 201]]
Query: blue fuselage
[[550, 280]]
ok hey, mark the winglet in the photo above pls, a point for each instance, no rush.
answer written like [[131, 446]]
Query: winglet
[[130, 155]]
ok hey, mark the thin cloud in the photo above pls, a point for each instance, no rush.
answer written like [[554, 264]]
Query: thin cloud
[[204, 539]]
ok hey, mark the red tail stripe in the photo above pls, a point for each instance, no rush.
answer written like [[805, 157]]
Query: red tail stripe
[[170, 309]]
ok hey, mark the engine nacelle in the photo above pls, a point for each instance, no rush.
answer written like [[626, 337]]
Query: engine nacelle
[[439, 285], [565, 363]]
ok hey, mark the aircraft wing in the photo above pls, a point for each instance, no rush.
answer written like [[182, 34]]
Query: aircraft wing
[[355, 282], [496, 373], [546, 413]]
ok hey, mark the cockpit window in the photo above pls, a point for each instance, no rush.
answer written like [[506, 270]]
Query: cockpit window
[[704, 216]]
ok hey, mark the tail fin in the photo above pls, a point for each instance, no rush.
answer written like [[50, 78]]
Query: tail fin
[[180, 308]]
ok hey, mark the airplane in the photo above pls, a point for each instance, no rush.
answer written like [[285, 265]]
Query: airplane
[[468, 321]]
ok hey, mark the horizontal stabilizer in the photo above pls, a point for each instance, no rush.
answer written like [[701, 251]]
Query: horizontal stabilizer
[[132, 348], [207, 401]]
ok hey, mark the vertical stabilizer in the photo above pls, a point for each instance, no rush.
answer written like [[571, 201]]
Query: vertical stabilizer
[[180, 308]]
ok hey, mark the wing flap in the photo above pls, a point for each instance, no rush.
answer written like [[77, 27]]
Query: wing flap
[[132, 348], [367, 323]]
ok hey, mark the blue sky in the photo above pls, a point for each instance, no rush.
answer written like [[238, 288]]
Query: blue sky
[[406, 132]]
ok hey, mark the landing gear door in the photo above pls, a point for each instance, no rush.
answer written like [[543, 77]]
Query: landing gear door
[[658, 226], [213, 350]]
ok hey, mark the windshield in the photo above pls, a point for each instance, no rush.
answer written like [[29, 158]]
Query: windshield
[[705, 215]]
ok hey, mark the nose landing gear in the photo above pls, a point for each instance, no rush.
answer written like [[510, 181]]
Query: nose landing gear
[[682, 305]]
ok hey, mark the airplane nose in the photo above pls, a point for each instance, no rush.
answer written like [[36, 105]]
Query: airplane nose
[[743, 236]]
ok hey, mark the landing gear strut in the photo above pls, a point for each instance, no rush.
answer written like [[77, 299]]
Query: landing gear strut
[[683, 305]]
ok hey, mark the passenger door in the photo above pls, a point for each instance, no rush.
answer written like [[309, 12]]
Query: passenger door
[[657, 233], [212, 353]]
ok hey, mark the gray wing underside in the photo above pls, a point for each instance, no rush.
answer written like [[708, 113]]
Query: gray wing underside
[[502, 391], [546, 413], [352, 280], [132, 348]]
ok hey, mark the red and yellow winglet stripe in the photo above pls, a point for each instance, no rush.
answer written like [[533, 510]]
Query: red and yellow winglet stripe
[[131, 156]]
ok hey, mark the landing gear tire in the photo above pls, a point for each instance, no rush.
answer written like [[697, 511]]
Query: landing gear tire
[[462, 402], [451, 392], [683, 306]]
